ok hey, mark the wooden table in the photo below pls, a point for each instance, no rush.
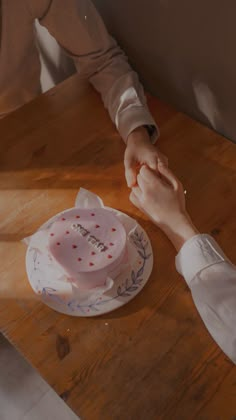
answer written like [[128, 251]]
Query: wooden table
[[151, 359]]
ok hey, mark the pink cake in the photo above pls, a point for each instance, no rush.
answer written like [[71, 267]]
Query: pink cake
[[89, 245]]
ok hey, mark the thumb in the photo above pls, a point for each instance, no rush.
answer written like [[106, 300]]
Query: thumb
[[168, 175]]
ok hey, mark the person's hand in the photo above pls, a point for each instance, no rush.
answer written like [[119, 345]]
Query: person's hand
[[161, 197], [140, 151]]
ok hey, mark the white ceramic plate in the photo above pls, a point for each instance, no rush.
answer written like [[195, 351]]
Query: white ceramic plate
[[59, 295]]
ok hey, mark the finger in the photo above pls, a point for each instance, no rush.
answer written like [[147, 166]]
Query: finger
[[130, 176], [151, 161], [168, 174], [142, 183], [134, 199], [138, 193], [130, 172], [162, 159], [148, 175]]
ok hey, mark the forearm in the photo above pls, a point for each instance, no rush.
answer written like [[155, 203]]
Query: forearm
[[212, 281], [180, 231], [79, 29], [123, 94]]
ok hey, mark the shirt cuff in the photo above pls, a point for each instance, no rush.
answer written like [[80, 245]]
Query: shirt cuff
[[134, 117], [196, 254]]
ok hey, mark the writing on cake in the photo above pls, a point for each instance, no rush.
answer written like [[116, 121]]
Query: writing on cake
[[96, 243]]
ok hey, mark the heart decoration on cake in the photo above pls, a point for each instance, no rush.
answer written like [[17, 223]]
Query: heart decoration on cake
[[88, 260]]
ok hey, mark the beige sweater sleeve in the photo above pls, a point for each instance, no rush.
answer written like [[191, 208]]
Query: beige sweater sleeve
[[79, 29]]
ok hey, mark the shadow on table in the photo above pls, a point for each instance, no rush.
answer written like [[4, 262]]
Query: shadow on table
[[50, 165]]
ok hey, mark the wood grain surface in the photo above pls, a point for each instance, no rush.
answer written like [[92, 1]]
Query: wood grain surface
[[153, 358]]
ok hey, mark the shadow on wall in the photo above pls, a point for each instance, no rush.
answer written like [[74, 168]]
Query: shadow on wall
[[56, 66], [184, 53]]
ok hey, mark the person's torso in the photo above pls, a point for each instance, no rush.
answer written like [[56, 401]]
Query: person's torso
[[19, 60]]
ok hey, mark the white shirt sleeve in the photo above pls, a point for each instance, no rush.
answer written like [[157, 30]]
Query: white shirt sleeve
[[212, 281]]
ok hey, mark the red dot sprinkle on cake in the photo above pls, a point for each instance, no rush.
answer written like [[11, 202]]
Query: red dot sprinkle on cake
[[89, 245]]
